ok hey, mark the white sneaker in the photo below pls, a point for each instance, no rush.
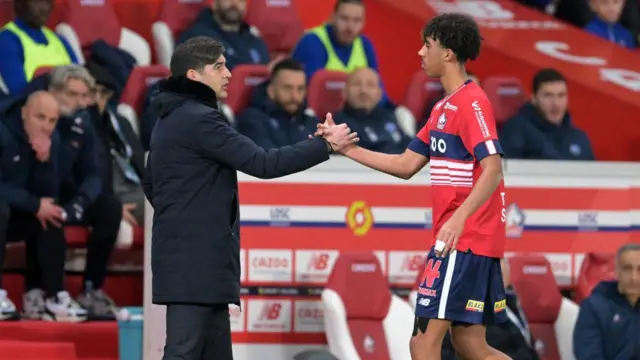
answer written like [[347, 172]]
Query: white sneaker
[[8, 310], [33, 304], [63, 308]]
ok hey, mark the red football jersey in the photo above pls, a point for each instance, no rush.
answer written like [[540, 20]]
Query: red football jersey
[[460, 132]]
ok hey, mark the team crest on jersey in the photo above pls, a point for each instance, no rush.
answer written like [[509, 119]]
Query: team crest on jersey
[[442, 120], [515, 221]]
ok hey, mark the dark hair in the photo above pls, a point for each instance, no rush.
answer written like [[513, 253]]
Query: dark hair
[[286, 64], [456, 32], [545, 76], [340, 2], [195, 54]]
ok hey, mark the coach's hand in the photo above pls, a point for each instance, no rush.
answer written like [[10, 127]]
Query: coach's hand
[[339, 137], [449, 234]]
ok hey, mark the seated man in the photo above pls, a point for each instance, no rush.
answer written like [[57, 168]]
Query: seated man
[[224, 22], [276, 117], [606, 22], [27, 44], [81, 191], [512, 338], [121, 152], [367, 114], [542, 130], [28, 185], [338, 45], [607, 325]]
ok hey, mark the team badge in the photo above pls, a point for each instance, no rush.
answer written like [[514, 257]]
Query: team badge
[[515, 219], [442, 120]]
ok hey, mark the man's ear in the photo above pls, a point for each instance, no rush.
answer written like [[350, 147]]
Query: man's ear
[[449, 56], [270, 91], [192, 75]]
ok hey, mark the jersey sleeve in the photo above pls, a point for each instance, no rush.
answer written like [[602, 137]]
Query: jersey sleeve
[[478, 129], [420, 144]]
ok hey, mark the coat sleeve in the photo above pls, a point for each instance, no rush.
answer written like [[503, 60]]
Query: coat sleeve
[[147, 180], [587, 336], [217, 140], [86, 168], [18, 197]]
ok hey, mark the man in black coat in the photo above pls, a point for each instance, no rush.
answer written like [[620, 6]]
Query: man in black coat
[[192, 184]]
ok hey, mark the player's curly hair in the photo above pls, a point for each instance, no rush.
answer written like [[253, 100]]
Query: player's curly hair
[[457, 32]]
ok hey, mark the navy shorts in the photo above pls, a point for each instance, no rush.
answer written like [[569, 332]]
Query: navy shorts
[[463, 288]]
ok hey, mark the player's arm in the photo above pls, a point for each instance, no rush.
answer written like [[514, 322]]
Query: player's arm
[[479, 136], [487, 183], [404, 165]]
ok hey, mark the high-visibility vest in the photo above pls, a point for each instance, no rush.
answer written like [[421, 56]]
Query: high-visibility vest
[[358, 58], [38, 55]]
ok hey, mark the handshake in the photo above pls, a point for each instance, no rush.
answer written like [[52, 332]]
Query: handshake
[[338, 137]]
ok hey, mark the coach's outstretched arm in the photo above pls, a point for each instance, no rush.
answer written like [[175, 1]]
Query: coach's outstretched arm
[[219, 141]]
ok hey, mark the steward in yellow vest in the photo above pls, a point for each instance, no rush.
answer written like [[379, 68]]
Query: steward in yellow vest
[[37, 55], [358, 58]]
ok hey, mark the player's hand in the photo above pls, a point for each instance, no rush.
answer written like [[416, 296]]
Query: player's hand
[[449, 234]]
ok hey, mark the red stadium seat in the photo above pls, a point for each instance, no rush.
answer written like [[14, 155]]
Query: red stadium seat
[[6, 11], [506, 94], [363, 319], [421, 92], [595, 268], [326, 92], [278, 22], [133, 94], [77, 236], [245, 79], [175, 16], [84, 22], [551, 317]]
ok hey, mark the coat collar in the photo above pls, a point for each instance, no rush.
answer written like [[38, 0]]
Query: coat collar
[[193, 90]]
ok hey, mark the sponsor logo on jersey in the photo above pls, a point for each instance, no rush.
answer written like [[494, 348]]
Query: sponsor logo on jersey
[[448, 106], [499, 306]]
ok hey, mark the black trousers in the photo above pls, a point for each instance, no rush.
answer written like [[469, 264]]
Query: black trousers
[[103, 216], [46, 247], [198, 332]]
